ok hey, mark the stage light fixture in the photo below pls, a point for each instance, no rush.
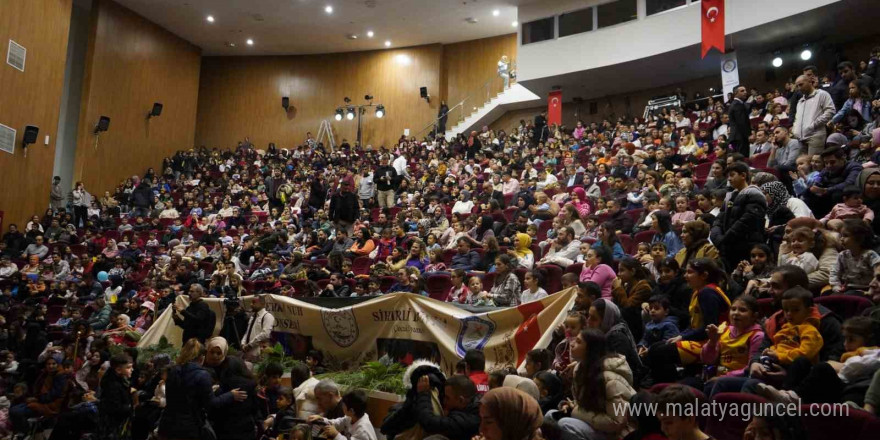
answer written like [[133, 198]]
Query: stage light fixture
[[349, 113], [339, 112], [806, 54], [210, 19], [380, 111], [370, 34], [777, 62]]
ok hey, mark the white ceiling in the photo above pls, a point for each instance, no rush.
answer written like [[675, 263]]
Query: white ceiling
[[282, 27]]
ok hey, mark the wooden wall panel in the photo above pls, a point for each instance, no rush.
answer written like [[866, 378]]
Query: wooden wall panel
[[241, 96], [32, 97], [130, 64], [468, 65]]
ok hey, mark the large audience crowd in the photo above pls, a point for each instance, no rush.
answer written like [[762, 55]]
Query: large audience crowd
[[725, 246]]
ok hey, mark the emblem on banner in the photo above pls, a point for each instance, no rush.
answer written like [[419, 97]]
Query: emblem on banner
[[340, 325], [474, 334]]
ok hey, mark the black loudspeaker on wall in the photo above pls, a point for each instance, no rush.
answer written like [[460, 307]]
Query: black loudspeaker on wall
[[103, 124], [423, 92], [285, 102], [30, 134], [156, 111]]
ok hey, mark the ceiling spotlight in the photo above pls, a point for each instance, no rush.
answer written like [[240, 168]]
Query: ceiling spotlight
[[380, 111], [210, 19], [496, 13], [339, 113], [370, 34], [250, 42], [806, 54], [328, 9], [387, 43], [777, 62], [515, 24], [349, 113]]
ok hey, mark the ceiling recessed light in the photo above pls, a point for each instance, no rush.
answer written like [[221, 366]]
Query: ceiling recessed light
[[515, 24], [328, 9], [387, 43], [250, 42], [370, 34], [496, 13], [210, 18]]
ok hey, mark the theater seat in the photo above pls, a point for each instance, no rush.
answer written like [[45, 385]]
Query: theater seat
[[857, 425], [361, 265], [438, 285], [845, 306], [732, 426], [644, 236], [552, 277], [766, 307]]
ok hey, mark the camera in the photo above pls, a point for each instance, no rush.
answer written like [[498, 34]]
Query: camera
[[231, 301], [767, 361]]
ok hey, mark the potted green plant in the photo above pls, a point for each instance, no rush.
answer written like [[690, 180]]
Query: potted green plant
[[383, 384]]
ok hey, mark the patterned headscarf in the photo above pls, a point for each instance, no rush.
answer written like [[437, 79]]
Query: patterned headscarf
[[778, 196], [517, 414]]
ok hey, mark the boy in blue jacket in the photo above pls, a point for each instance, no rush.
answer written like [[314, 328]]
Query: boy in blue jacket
[[661, 326]]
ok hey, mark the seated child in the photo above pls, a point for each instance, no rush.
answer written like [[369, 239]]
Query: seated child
[[459, 292], [854, 269], [800, 242], [285, 419], [356, 423], [661, 327], [852, 207], [800, 335]]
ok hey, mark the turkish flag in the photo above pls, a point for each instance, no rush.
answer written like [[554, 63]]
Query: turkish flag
[[554, 108], [713, 25]]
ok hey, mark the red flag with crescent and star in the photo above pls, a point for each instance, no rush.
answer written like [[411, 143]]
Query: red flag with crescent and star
[[712, 21], [554, 108]]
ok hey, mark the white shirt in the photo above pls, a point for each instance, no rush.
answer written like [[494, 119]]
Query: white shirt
[[360, 430], [798, 208], [399, 165], [528, 296], [259, 328]]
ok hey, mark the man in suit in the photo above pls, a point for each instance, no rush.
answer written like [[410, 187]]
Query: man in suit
[[740, 128], [628, 169]]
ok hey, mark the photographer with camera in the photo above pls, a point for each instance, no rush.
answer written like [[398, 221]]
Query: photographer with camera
[[197, 320], [259, 329]]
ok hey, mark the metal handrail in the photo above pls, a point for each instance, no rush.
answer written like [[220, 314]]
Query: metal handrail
[[471, 93]]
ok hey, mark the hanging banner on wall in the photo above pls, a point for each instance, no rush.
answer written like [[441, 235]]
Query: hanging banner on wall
[[729, 73], [554, 107], [403, 326], [712, 25]]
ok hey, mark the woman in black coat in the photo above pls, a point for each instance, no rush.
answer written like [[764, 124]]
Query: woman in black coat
[[237, 420], [189, 395]]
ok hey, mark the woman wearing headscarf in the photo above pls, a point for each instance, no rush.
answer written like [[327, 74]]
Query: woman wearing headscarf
[[592, 190], [579, 201], [189, 394], [605, 316], [509, 414], [777, 212], [869, 182], [522, 250], [695, 238], [111, 250], [464, 205]]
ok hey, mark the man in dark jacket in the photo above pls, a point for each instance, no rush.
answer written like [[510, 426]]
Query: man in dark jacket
[[197, 320], [837, 175], [618, 218], [142, 199], [115, 404], [344, 207], [460, 403], [740, 225], [739, 128], [465, 258]]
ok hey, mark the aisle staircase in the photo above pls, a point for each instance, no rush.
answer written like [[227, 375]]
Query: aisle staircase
[[514, 98]]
